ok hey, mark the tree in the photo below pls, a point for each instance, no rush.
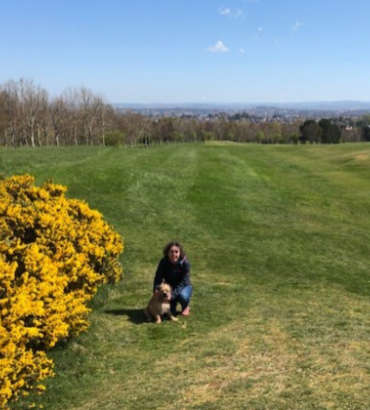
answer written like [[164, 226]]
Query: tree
[[11, 109], [58, 117], [33, 99], [310, 132], [365, 133], [330, 133]]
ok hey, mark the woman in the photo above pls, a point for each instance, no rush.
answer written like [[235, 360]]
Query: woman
[[174, 269]]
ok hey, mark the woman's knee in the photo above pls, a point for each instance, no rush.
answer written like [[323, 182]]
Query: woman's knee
[[185, 294]]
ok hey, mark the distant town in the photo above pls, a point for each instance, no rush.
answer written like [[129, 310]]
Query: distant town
[[282, 112]]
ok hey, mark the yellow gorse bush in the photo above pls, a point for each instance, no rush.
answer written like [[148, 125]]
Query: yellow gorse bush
[[54, 252]]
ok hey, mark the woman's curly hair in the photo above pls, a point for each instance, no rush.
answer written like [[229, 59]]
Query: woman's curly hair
[[169, 246]]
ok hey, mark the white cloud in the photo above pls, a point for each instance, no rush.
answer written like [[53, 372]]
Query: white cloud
[[297, 25], [219, 47], [259, 32], [238, 13], [242, 51], [224, 11], [233, 13]]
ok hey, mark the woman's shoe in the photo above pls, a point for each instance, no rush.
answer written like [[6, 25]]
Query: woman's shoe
[[186, 311]]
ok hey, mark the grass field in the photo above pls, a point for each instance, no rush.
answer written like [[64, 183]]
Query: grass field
[[278, 238]]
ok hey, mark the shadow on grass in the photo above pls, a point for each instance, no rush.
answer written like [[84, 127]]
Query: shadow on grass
[[136, 316]]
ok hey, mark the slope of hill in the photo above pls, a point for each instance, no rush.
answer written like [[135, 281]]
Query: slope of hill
[[278, 240]]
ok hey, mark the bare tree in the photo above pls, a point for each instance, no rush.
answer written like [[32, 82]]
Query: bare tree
[[58, 116], [11, 109], [33, 100]]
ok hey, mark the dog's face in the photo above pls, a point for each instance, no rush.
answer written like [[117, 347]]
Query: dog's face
[[163, 292]]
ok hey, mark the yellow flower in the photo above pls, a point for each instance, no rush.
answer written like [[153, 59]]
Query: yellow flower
[[54, 253]]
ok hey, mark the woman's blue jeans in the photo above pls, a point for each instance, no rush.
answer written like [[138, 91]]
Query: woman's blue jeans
[[183, 298]]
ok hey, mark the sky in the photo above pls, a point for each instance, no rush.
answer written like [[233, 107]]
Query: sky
[[173, 51]]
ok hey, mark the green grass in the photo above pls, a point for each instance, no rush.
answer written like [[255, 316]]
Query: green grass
[[278, 238]]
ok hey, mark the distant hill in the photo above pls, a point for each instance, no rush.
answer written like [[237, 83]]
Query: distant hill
[[328, 105], [315, 105], [313, 109]]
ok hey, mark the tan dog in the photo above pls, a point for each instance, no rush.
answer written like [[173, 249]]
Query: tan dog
[[159, 304]]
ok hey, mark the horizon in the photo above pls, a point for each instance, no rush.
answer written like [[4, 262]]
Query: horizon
[[253, 103], [186, 52]]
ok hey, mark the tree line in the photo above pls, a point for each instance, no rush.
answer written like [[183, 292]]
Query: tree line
[[30, 117]]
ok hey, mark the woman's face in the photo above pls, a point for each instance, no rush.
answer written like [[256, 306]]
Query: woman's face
[[174, 254]]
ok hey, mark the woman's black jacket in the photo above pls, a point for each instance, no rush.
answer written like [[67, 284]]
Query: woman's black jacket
[[177, 275]]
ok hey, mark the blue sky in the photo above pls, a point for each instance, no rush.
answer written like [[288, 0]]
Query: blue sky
[[191, 51]]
